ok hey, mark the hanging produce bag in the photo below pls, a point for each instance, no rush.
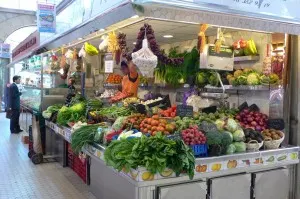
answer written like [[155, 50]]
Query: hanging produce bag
[[145, 60]]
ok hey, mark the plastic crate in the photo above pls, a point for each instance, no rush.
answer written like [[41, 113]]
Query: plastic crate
[[80, 168], [200, 150]]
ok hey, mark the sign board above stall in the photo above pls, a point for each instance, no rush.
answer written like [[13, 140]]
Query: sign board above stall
[[4, 50], [46, 17], [26, 46], [283, 10]]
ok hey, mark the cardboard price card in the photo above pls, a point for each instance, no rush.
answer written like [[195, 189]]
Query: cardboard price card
[[184, 111]]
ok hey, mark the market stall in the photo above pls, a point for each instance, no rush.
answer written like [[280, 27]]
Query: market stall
[[211, 106]]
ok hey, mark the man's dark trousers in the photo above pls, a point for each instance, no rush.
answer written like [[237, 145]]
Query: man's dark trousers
[[14, 121]]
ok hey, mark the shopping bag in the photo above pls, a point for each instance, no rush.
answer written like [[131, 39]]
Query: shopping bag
[[8, 114]]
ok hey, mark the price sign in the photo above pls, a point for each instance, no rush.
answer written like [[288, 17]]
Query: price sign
[[184, 111], [277, 124], [109, 66]]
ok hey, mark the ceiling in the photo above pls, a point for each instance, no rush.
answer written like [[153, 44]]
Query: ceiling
[[180, 31]]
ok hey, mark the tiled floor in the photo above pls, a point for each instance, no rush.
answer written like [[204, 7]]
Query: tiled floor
[[20, 178]]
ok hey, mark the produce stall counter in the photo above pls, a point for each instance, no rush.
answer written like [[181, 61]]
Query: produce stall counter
[[211, 166], [106, 182]]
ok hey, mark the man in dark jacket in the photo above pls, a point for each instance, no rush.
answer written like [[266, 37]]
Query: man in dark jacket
[[14, 105]]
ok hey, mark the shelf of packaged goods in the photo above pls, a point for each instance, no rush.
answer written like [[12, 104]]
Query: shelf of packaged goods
[[247, 58]]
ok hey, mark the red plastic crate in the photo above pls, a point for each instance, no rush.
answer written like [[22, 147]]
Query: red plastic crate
[[79, 167]]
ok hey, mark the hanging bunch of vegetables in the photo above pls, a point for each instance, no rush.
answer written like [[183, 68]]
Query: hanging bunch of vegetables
[[144, 59], [113, 46], [201, 37]]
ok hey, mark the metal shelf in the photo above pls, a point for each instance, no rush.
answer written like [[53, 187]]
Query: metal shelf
[[244, 87]]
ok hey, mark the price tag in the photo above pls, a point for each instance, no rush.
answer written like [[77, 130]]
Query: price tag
[[109, 66], [184, 111], [277, 124]]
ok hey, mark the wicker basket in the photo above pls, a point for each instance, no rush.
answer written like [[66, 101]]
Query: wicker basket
[[253, 145], [273, 144]]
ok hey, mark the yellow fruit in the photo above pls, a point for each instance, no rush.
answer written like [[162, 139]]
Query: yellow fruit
[[166, 173], [146, 175], [151, 177]]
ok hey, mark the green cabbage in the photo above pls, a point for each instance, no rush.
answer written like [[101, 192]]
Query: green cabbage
[[231, 125], [240, 147], [231, 149], [220, 124], [238, 135]]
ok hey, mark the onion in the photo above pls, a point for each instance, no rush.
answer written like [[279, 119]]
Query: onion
[[253, 123]]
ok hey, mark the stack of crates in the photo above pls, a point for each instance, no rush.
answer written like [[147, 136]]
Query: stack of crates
[[76, 164], [30, 144], [80, 167], [70, 161]]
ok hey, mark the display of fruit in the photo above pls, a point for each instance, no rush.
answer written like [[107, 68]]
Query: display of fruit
[[130, 100], [193, 136], [272, 134], [155, 124], [250, 48], [252, 119], [251, 134], [134, 121], [170, 112], [114, 79]]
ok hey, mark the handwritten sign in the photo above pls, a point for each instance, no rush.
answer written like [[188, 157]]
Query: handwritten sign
[[277, 124], [109, 66], [184, 111]]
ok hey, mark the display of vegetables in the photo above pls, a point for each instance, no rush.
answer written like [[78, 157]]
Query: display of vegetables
[[94, 104], [73, 113], [155, 153], [170, 112], [134, 121], [130, 100], [252, 119], [193, 136], [154, 125], [84, 135], [251, 77], [251, 134], [114, 79], [108, 93], [119, 96], [112, 112]]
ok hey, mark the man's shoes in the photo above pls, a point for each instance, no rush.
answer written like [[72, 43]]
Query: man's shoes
[[20, 130]]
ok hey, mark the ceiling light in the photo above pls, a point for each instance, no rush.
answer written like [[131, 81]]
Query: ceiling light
[[80, 38], [168, 36], [135, 16], [102, 30]]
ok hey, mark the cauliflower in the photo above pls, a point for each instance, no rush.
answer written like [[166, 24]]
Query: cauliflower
[[253, 79], [237, 73]]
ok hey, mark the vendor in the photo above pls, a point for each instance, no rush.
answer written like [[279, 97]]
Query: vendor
[[130, 80], [71, 91]]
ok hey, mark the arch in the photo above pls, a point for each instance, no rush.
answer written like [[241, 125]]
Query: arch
[[13, 20], [19, 35]]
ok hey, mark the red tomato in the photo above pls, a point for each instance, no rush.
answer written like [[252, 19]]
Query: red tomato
[[173, 114]]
